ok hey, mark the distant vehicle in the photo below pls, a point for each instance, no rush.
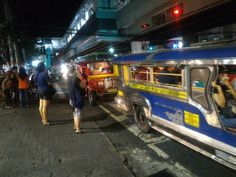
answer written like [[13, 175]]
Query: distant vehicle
[[54, 74], [100, 79], [187, 94]]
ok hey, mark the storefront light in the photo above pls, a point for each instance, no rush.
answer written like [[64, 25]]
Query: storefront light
[[175, 46], [35, 63], [180, 44]]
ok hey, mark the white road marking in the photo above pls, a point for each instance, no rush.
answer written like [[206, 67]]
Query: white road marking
[[151, 142], [59, 90], [133, 129]]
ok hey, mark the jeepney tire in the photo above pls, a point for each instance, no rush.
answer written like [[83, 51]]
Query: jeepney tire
[[92, 98], [141, 119]]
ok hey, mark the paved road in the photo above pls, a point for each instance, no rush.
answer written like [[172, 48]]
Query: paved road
[[153, 154]]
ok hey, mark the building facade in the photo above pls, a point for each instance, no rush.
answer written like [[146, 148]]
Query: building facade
[[145, 25]]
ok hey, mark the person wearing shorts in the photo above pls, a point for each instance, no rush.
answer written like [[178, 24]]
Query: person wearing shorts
[[77, 120], [74, 84], [42, 81]]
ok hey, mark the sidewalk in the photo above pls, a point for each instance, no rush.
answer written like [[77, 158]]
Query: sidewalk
[[29, 149]]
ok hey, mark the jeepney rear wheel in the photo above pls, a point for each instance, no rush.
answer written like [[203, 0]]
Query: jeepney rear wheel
[[141, 119], [92, 98]]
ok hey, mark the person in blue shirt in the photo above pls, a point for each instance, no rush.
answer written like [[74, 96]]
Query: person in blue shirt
[[76, 89], [43, 83]]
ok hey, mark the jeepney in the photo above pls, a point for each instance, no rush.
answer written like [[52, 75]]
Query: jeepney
[[100, 79], [172, 92]]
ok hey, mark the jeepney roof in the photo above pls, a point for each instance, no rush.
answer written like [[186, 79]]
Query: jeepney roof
[[196, 53], [91, 61]]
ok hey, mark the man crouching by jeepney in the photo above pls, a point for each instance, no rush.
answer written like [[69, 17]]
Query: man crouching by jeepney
[[75, 89]]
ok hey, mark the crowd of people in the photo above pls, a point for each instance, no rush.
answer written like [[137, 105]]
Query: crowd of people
[[46, 91], [15, 87]]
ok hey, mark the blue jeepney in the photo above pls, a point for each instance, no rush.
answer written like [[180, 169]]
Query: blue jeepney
[[175, 92]]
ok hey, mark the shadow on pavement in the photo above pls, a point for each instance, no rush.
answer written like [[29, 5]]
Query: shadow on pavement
[[58, 122]]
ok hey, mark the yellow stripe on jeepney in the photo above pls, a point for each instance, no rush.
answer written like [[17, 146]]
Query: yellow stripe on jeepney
[[163, 91], [120, 93], [100, 76], [198, 89], [126, 74], [191, 119], [115, 69]]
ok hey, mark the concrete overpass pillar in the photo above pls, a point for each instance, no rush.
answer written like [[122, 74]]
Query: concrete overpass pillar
[[16, 53], [11, 51]]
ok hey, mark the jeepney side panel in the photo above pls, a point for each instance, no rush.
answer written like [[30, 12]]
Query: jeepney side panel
[[175, 109], [173, 106], [128, 95]]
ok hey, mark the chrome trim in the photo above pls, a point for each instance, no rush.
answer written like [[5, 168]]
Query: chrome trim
[[198, 136], [122, 104], [201, 62], [197, 149], [149, 113], [211, 117]]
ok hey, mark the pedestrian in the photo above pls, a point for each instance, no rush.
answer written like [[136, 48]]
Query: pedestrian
[[7, 85], [23, 87], [15, 91], [76, 89], [43, 83], [225, 96]]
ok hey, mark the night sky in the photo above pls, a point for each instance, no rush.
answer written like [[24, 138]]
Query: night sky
[[45, 17]]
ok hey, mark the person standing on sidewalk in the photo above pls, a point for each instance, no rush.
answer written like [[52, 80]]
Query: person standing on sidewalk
[[7, 85], [43, 83], [23, 87], [15, 91], [75, 88]]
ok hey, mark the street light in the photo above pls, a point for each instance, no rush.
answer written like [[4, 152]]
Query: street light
[[111, 50]]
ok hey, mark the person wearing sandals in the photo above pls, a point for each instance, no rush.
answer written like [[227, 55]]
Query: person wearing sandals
[[75, 89], [43, 83]]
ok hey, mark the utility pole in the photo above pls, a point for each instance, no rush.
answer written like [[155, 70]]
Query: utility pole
[[16, 54], [10, 51], [23, 55]]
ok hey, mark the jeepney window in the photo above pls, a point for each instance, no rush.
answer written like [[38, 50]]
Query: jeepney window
[[140, 73], [224, 94], [171, 76], [100, 68], [199, 78]]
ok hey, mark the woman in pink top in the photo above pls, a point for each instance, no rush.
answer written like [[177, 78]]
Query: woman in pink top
[[23, 87]]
